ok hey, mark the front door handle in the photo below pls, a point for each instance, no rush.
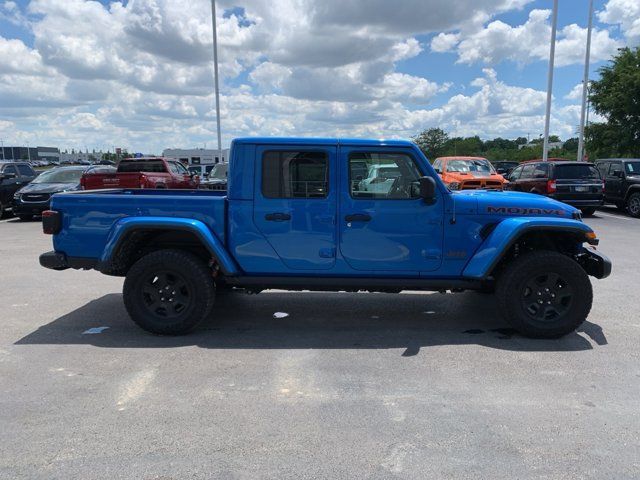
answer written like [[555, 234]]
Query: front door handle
[[357, 217], [277, 217]]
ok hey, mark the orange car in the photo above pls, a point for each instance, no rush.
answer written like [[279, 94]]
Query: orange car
[[468, 173]]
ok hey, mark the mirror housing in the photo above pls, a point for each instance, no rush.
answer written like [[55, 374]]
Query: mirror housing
[[428, 189], [617, 173]]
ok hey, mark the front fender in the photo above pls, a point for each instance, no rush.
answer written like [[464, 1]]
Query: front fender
[[126, 225], [507, 232]]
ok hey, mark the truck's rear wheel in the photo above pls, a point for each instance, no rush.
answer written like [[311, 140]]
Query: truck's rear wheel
[[169, 292], [544, 294]]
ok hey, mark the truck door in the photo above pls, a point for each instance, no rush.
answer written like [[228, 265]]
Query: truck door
[[383, 224], [295, 203], [614, 180]]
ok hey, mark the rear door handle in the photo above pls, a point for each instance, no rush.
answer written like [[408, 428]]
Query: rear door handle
[[277, 217], [357, 217]]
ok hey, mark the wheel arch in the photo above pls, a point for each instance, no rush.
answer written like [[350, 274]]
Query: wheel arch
[[563, 235], [131, 238]]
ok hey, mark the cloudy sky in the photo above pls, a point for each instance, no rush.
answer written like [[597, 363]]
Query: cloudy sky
[[138, 73]]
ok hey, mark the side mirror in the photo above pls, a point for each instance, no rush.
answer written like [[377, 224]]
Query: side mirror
[[428, 189], [617, 173]]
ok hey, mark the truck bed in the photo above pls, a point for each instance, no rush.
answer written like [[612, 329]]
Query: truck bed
[[89, 216]]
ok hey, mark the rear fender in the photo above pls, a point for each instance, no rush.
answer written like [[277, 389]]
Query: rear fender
[[123, 227], [507, 233]]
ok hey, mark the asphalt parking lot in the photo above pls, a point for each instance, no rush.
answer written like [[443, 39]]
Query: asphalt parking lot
[[344, 386]]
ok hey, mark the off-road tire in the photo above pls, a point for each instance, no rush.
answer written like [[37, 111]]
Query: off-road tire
[[169, 292], [633, 204], [561, 275], [588, 211]]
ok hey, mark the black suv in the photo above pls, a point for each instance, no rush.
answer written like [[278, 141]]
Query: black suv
[[13, 176], [577, 183], [622, 183]]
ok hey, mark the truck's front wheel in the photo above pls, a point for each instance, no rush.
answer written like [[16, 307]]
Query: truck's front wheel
[[544, 294], [169, 292]]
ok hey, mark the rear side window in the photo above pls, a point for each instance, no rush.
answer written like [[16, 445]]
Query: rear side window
[[295, 174], [603, 168], [26, 171], [154, 166], [527, 171], [576, 172], [541, 171]]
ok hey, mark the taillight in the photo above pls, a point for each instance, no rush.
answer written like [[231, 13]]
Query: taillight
[[551, 186], [82, 182], [51, 222]]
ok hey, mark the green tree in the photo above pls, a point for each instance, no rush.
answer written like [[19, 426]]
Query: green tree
[[616, 96], [571, 145], [431, 142]]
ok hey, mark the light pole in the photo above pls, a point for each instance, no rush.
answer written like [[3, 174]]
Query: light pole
[[585, 84], [2, 148], [552, 54], [215, 72]]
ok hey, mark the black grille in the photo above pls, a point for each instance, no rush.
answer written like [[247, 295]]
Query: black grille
[[35, 197]]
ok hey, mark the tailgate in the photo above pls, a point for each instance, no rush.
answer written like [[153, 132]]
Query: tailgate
[[112, 180]]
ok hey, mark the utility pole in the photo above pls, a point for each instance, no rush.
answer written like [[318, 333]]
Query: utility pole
[[215, 72], [585, 84], [552, 54]]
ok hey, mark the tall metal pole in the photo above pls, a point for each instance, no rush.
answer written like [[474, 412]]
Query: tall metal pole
[[585, 84], [552, 54], [215, 70]]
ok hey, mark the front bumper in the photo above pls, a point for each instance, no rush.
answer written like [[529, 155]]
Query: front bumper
[[595, 263], [29, 208]]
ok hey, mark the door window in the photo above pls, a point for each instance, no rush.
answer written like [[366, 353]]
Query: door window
[[26, 171], [389, 176], [515, 174], [615, 167], [182, 170], [295, 174]]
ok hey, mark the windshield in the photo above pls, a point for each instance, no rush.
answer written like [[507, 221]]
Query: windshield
[[60, 176], [219, 171], [574, 172], [633, 168], [476, 165], [194, 170]]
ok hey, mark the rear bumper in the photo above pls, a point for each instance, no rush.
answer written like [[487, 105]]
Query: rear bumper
[[596, 264], [578, 202], [59, 261]]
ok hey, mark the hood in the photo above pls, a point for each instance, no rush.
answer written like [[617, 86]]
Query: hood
[[49, 187], [512, 204]]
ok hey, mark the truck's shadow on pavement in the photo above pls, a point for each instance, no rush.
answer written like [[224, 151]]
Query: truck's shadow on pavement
[[317, 320]]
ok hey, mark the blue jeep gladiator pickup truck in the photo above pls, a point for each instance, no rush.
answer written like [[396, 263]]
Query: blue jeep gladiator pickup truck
[[328, 214]]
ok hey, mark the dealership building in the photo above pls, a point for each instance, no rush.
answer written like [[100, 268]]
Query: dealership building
[[49, 154], [197, 156]]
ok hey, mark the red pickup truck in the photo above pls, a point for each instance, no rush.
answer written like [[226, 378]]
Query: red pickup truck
[[146, 172]]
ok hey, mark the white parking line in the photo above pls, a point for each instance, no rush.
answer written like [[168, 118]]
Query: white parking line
[[619, 217]]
